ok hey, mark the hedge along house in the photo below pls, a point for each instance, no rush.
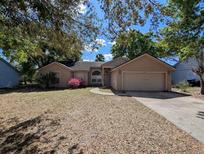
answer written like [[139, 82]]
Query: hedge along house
[[144, 73]]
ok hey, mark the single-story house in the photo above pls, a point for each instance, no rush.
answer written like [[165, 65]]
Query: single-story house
[[144, 73], [184, 71], [9, 76]]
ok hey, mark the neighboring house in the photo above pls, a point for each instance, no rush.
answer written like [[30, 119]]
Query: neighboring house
[[184, 71], [9, 76], [144, 73]]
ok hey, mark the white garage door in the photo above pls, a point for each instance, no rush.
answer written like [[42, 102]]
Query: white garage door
[[143, 81]]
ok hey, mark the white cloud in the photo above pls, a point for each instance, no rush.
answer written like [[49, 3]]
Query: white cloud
[[90, 49], [82, 9], [108, 57], [112, 43], [100, 42], [88, 60]]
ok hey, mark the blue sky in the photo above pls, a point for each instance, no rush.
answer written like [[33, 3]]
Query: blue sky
[[107, 44]]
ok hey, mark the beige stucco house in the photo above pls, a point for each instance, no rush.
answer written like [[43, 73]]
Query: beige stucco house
[[144, 73]]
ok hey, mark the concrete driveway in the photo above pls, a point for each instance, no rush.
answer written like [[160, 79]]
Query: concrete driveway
[[184, 111]]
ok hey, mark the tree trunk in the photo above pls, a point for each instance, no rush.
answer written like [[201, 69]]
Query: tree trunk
[[200, 69], [25, 83], [202, 85]]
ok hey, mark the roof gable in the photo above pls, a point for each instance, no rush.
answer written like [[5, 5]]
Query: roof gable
[[115, 62], [78, 66], [143, 56], [85, 66], [55, 63], [187, 63]]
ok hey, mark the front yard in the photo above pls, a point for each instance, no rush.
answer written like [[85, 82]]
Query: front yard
[[77, 121]]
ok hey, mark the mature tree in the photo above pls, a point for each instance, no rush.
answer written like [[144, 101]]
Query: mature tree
[[184, 33], [27, 71], [100, 58], [134, 43], [46, 46], [40, 31], [61, 15]]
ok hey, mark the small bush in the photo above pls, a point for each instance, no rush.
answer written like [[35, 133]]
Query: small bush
[[76, 83], [47, 80], [183, 86]]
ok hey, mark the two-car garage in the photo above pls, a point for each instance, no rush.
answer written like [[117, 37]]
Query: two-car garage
[[143, 81], [144, 73]]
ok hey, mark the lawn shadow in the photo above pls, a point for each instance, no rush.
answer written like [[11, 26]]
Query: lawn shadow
[[16, 138], [200, 114], [28, 90], [22, 137], [151, 94]]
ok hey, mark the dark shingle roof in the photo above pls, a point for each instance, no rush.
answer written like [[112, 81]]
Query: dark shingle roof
[[116, 62], [82, 65]]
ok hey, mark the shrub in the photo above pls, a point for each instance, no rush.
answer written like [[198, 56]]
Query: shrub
[[183, 86], [76, 83], [47, 80]]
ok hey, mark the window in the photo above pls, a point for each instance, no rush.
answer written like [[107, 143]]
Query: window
[[96, 77], [96, 73], [93, 80]]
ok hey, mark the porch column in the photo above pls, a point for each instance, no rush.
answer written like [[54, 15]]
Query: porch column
[[102, 75]]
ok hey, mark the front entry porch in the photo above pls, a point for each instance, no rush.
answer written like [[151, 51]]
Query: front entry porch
[[96, 77], [107, 77]]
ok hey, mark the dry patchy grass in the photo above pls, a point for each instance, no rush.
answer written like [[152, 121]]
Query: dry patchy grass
[[194, 91], [77, 121]]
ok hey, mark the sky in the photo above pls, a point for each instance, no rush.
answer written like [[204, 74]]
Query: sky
[[106, 47]]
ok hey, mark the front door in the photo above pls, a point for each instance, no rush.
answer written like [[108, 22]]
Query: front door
[[96, 78]]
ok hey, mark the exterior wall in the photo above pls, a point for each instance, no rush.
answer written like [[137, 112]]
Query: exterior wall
[[169, 81], [82, 75], [184, 71], [114, 80], [8, 76], [64, 74], [107, 77], [145, 64]]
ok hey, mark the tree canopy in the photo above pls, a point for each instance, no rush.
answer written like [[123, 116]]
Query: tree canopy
[[184, 34], [134, 43], [100, 58], [43, 31]]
